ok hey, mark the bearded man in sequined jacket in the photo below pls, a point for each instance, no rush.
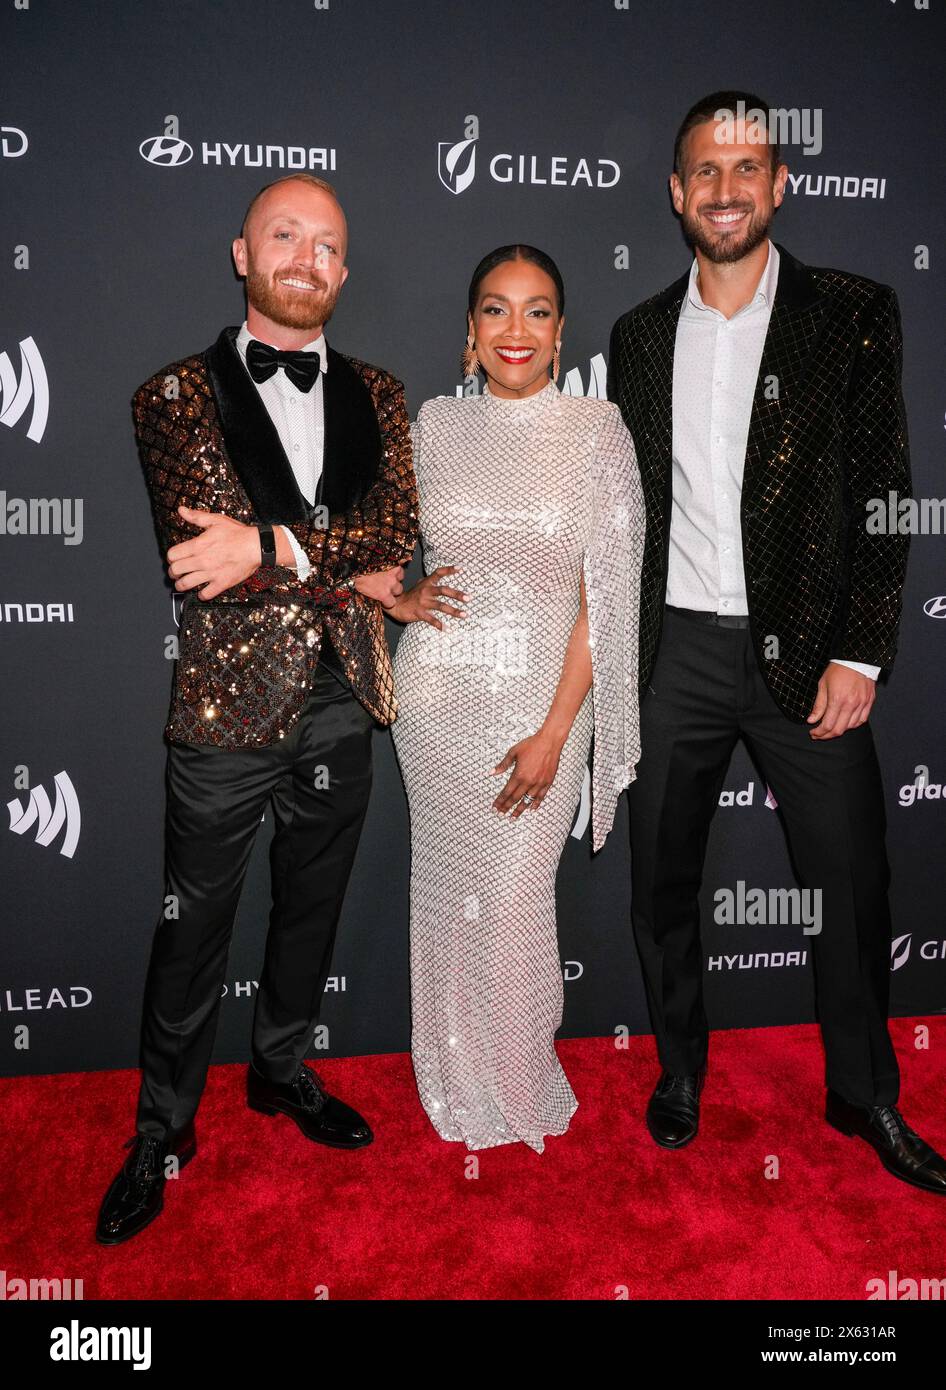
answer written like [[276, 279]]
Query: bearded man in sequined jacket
[[283, 493], [764, 399]]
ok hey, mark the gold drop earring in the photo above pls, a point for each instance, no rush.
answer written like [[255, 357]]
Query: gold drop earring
[[469, 362], [556, 361]]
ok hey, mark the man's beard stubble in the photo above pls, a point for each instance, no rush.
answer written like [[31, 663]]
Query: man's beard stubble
[[288, 307], [728, 249]]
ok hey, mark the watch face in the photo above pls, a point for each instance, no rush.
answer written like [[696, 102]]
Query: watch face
[[267, 545]]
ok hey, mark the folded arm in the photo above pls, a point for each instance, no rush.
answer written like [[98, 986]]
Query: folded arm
[[219, 554]]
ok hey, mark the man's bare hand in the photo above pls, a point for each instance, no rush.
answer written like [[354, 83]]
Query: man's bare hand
[[425, 600], [843, 701], [385, 586], [223, 555]]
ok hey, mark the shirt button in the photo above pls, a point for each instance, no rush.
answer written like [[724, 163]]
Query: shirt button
[[295, 448]]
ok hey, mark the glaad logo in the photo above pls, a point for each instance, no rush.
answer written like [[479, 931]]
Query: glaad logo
[[921, 788], [935, 607], [456, 165], [15, 395], [746, 797], [597, 380], [166, 151], [49, 820], [12, 149]]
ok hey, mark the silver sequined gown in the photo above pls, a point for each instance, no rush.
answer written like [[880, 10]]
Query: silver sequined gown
[[521, 495]]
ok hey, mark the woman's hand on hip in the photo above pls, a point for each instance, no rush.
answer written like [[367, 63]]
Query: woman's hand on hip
[[427, 599]]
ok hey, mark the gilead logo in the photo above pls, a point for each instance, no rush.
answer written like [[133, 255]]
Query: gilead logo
[[456, 165]]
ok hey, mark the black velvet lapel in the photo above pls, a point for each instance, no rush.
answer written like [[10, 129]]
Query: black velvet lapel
[[353, 447], [352, 452], [250, 437]]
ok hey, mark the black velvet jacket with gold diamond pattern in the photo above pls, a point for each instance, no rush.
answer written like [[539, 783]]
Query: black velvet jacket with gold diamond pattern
[[832, 438], [205, 439]]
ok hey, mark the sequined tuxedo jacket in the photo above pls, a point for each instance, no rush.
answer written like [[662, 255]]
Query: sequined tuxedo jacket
[[827, 433], [205, 439]]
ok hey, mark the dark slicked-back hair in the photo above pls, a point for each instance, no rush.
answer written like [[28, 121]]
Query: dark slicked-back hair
[[705, 110], [517, 253]]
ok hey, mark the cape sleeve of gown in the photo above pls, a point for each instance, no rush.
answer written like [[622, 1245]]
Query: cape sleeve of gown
[[612, 569]]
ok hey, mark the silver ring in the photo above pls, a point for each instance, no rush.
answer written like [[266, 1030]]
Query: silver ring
[[527, 798]]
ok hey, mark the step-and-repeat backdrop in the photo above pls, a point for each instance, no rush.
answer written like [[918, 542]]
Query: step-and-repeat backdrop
[[133, 137]]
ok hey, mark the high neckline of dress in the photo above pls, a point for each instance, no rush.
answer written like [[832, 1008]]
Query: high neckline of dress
[[522, 406]]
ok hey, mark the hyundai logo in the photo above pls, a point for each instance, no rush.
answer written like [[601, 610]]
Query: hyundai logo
[[167, 150]]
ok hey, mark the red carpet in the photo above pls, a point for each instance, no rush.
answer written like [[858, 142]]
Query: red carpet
[[262, 1213]]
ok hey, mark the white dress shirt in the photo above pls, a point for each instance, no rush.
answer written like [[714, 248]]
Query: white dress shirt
[[300, 422], [715, 368]]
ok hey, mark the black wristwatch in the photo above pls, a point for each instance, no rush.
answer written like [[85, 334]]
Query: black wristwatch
[[267, 545]]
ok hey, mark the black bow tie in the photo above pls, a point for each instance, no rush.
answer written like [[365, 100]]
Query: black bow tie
[[302, 368]]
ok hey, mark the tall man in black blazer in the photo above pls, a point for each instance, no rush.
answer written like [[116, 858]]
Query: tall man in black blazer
[[764, 400]]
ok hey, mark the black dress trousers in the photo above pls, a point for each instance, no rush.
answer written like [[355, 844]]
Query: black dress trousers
[[319, 779], [706, 692]]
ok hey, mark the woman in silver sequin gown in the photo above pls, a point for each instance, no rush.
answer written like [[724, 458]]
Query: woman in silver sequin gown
[[534, 498]]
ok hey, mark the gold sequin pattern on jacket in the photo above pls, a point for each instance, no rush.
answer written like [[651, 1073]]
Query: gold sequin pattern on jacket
[[247, 658], [830, 439]]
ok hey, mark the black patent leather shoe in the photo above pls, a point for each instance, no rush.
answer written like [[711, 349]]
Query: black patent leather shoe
[[136, 1195], [673, 1111], [320, 1116], [901, 1150]]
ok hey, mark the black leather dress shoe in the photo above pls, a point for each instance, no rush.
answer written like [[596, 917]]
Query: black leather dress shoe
[[673, 1111], [902, 1152], [136, 1196], [320, 1116]]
